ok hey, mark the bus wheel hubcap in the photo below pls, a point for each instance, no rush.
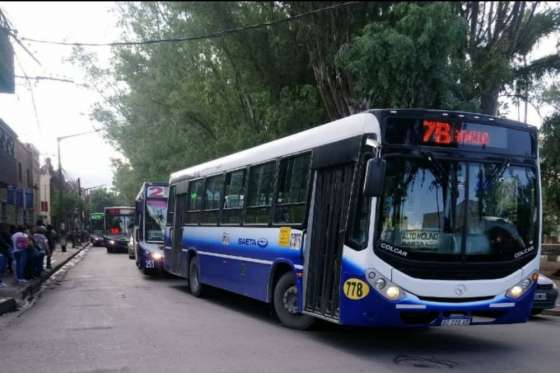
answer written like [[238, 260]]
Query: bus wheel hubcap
[[195, 279], [289, 299]]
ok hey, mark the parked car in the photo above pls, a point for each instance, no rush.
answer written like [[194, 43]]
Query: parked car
[[96, 240], [545, 294]]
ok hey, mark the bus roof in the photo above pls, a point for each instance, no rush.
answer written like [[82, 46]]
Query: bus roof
[[351, 126], [451, 113], [341, 129]]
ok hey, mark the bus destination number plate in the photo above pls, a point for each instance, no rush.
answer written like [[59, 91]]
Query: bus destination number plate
[[456, 322]]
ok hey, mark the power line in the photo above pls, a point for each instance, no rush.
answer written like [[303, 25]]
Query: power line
[[214, 35], [32, 94], [51, 78], [7, 26]]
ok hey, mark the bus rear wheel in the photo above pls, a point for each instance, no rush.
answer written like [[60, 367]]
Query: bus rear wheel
[[285, 304], [195, 287]]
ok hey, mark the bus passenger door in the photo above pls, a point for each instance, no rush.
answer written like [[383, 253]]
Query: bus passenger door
[[177, 255], [325, 239]]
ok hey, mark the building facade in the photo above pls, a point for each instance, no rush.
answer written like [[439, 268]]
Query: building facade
[[8, 173], [19, 179], [45, 181]]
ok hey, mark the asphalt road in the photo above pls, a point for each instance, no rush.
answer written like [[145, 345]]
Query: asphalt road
[[106, 316]]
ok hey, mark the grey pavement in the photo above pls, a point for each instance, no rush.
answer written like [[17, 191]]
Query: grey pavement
[[106, 316]]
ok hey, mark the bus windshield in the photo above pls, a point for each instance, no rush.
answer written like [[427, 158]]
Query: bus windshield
[[119, 221], [97, 223], [431, 206], [156, 212]]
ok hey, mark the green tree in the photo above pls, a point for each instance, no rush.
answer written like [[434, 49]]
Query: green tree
[[101, 198], [408, 59], [68, 208], [167, 106], [127, 182], [500, 36], [550, 171]]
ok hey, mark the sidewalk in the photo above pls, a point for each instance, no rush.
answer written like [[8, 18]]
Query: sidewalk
[[14, 292]]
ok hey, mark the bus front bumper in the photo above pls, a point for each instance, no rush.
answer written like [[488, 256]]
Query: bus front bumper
[[411, 311]]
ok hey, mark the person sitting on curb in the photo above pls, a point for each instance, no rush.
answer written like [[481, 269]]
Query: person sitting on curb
[[41, 246], [20, 251]]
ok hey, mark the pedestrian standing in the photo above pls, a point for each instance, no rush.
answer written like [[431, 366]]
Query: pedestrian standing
[[20, 251], [41, 245], [51, 241]]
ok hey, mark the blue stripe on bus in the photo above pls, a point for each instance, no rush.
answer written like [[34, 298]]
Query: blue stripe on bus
[[243, 269]]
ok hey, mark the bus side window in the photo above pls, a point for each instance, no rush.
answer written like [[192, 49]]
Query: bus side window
[[171, 205], [212, 200], [293, 181], [195, 199], [234, 197], [261, 188]]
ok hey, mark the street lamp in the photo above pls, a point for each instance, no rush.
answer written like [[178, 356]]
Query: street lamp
[[58, 140]]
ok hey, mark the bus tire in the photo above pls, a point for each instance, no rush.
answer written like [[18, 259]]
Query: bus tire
[[195, 287], [284, 303]]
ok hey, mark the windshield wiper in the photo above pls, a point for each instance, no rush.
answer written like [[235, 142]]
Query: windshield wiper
[[442, 174], [496, 173]]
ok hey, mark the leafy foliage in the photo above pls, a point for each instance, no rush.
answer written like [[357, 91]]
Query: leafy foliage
[[550, 170], [168, 106], [101, 198], [408, 59]]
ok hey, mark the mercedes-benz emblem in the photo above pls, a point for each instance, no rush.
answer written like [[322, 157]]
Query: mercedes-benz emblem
[[460, 290]]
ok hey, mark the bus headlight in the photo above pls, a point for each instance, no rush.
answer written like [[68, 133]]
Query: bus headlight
[[384, 286], [519, 289], [156, 256], [393, 292]]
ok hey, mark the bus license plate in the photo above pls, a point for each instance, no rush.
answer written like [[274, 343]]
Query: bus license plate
[[149, 264], [456, 322], [540, 296]]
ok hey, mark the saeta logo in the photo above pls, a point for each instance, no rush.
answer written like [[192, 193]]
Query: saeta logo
[[261, 242]]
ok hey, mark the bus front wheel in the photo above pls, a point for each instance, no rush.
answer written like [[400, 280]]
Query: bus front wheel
[[195, 286], [285, 304]]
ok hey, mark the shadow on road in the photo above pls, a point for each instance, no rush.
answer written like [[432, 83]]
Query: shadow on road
[[371, 343]]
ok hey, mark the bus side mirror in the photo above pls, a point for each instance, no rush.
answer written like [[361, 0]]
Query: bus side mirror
[[375, 177]]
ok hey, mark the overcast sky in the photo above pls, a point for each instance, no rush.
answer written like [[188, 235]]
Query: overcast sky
[[63, 109]]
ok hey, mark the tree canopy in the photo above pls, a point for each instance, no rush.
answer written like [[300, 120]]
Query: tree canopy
[[168, 106]]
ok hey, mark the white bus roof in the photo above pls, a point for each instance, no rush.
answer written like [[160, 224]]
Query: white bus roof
[[341, 129]]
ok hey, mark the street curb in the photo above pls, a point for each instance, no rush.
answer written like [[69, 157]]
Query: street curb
[[10, 304]]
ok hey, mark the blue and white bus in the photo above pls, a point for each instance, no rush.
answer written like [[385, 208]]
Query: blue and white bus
[[149, 225], [384, 218]]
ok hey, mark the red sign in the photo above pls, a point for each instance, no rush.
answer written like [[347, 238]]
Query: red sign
[[117, 211], [442, 133]]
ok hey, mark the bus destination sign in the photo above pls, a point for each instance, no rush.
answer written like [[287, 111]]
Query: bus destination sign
[[443, 133]]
